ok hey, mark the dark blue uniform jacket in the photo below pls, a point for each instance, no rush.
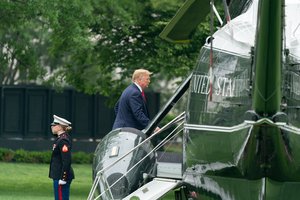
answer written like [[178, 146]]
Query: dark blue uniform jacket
[[60, 165]]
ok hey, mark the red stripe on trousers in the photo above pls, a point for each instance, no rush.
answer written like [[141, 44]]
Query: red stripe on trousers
[[60, 192]]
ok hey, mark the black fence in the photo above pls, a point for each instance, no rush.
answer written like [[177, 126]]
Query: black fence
[[27, 111]]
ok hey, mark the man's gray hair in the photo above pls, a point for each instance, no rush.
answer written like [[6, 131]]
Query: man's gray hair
[[139, 73]]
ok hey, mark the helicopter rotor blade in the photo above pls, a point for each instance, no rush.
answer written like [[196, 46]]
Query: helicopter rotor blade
[[182, 25]]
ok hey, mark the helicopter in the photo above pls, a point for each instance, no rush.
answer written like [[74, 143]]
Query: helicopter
[[241, 127]]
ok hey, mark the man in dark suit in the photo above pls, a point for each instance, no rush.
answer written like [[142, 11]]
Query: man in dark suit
[[131, 109]]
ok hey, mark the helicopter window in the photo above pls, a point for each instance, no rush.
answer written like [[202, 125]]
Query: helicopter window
[[291, 91], [220, 98]]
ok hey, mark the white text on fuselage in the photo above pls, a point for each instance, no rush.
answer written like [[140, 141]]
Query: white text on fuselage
[[222, 86]]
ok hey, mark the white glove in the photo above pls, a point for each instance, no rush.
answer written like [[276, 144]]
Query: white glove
[[61, 182]]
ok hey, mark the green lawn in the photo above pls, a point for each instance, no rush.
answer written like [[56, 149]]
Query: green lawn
[[30, 181], [22, 181]]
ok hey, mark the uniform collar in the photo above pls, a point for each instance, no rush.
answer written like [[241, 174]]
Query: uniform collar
[[61, 134]]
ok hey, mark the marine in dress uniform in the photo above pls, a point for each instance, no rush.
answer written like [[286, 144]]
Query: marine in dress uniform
[[60, 165]]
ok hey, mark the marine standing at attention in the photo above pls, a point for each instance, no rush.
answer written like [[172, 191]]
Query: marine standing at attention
[[60, 165]]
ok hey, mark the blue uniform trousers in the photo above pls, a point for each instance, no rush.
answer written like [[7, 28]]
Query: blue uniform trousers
[[61, 192]]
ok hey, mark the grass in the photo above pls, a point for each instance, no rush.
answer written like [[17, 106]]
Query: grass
[[23, 181], [30, 181]]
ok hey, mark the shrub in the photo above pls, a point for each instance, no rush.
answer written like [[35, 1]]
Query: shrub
[[82, 158], [32, 156], [6, 155], [21, 155]]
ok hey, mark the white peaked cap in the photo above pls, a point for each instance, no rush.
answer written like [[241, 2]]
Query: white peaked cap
[[61, 121]]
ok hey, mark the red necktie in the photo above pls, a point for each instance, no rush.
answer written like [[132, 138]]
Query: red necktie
[[143, 94]]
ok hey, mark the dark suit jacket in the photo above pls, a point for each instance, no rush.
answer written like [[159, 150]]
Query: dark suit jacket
[[131, 110]]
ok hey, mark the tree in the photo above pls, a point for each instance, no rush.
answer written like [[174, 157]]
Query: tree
[[91, 45], [127, 37], [37, 37]]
